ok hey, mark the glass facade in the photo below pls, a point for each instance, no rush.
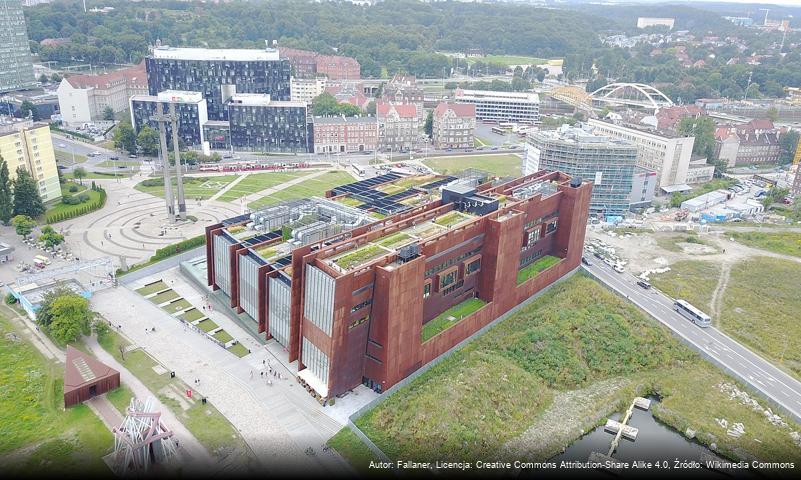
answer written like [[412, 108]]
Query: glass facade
[[318, 306], [16, 68], [268, 128], [249, 284], [609, 164], [190, 119], [279, 302], [316, 361], [218, 80], [222, 263]]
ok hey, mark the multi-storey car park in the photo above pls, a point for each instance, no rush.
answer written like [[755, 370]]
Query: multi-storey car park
[[386, 274]]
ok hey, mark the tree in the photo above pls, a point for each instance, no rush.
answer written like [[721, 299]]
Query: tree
[[108, 114], [70, 318], [703, 129], [28, 109], [429, 125], [43, 78], [50, 237], [26, 195], [23, 225], [6, 200], [789, 144], [55, 78], [773, 114], [79, 173], [370, 108], [125, 137], [148, 141]]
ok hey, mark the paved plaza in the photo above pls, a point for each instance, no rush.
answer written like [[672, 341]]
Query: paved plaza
[[280, 421]]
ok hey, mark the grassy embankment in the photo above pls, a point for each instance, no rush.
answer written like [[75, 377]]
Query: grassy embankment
[[576, 354]]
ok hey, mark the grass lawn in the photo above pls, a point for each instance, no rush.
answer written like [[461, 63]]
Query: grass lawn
[[257, 182], [308, 188], [359, 256], [347, 444], [508, 60], [192, 315], [450, 317], [785, 243], [152, 288], [66, 158], [394, 240], [450, 219], [120, 397], [177, 305], [207, 325], [118, 163], [223, 336], [535, 268], [36, 432], [60, 208], [239, 350], [100, 175], [349, 201], [527, 377], [690, 280], [502, 165], [165, 296], [194, 187]]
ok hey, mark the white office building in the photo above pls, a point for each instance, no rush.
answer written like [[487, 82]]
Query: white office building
[[669, 156], [305, 89], [502, 106]]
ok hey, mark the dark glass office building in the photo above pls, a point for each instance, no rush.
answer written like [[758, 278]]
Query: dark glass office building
[[259, 124], [189, 106], [218, 74]]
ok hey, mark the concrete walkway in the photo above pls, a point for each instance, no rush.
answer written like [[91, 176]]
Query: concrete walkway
[[279, 422], [194, 453], [229, 186], [269, 191]]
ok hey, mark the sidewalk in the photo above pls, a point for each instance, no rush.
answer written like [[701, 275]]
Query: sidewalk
[[196, 454]]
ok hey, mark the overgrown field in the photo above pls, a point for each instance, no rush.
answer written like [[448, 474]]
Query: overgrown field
[[483, 400], [36, 434]]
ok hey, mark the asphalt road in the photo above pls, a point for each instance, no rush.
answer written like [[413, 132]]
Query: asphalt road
[[744, 364]]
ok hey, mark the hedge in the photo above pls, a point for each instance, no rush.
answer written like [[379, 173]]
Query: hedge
[[168, 251], [88, 208]]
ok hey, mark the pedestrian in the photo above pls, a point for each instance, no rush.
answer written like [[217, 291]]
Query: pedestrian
[[261, 374], [263, 361]]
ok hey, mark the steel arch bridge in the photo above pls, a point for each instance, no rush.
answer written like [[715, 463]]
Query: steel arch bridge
[[632, 95], [573, 96]]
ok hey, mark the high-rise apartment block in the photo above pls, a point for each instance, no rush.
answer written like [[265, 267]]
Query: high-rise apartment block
[[608, 163], [29, 145], [356, 298], [16, 68]]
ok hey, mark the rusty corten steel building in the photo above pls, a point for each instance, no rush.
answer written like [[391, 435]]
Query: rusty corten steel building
[[86, 377], [350, 295]]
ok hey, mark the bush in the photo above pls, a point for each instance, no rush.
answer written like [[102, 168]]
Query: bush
[[73, 188], [70, 200], [10, 299], [83, 198], [100, 327], [153, 182]]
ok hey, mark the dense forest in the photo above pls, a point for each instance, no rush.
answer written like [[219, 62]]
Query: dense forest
[[404, 36], [398, 35]]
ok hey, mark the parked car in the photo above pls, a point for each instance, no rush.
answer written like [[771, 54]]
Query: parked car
[[93, 154], [619, 268], [586, 261], [133, 155], [114, 157]]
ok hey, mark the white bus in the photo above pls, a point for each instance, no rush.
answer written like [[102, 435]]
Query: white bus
[[359, 169], [697, 316]]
